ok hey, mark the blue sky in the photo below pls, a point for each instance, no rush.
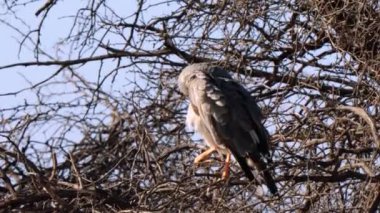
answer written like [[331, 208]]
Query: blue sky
[[55, 28], [17, 23]]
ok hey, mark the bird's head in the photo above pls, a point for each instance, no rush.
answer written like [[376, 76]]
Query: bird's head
[[188, 74], [193, 71]]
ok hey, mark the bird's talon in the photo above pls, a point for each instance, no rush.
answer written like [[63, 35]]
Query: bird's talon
[[225, 176], [197, 160], [226, 168], [203, 156], [202, 162], [226, 173]]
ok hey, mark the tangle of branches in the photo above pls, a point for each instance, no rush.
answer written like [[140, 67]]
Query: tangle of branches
[[99, 123]]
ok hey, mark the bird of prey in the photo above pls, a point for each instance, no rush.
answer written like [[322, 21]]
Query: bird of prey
[[228, 118]]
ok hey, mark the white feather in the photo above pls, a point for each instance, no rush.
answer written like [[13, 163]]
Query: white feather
[[254, 136]]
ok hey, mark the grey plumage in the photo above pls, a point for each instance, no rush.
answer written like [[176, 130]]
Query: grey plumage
[[227, 117]]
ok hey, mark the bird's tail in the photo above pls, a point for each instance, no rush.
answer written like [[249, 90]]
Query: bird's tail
[[246, 165], [269, 182], [266, 177]]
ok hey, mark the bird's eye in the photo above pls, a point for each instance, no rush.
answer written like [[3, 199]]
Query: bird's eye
[[192, 77]]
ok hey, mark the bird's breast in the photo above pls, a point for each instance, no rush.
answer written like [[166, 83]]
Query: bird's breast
[[194, 121]]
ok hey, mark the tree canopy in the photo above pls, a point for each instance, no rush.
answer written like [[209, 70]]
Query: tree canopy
[[98, 122]]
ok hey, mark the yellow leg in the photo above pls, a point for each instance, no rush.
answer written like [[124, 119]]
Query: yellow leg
[[201, 157], [226, 169]]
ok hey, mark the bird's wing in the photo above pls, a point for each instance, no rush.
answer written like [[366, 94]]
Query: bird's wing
[[248, 138], [208, 102], [245, 115]]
